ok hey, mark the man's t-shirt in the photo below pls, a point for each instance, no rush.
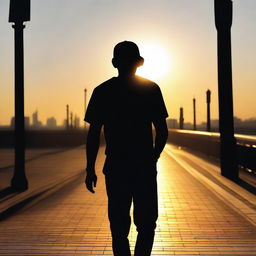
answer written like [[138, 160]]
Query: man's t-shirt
[[126, 109]]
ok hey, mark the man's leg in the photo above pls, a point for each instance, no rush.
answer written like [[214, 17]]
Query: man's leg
[[145, 213], [119, 204]]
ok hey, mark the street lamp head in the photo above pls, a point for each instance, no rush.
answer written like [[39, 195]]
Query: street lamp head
[[208, 96], [19, 11], [223, 14]]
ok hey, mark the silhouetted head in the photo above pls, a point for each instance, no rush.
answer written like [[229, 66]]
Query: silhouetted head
[[127, 56]]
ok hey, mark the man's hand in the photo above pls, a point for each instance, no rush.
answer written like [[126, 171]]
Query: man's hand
[[91, 180], [155, 156], [92, 147]]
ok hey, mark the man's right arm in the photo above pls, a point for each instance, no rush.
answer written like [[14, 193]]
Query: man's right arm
[[92, 147]]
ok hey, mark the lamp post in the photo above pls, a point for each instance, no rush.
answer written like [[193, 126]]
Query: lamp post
[[194, 114], [71, 120], [19, 13], [223, 22], [181, 119], [208, 102], [67, 114]]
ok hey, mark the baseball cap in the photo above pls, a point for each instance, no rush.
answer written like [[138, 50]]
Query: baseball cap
[[127, 50]]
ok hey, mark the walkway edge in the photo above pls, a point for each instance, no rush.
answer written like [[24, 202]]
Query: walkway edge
[[13, 204], [221, 193]]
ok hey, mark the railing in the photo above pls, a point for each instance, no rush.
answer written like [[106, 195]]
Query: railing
[[208, 143], [46, 138]]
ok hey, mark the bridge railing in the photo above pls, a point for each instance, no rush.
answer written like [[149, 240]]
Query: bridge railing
[[209, 143], [45, 138], [205, 142]]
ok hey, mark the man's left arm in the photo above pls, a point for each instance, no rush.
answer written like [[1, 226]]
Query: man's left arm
[[93, 116], [161, 136], [160, 114], [92, 147]]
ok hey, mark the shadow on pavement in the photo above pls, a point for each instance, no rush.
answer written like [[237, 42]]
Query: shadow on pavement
[[6, 192]]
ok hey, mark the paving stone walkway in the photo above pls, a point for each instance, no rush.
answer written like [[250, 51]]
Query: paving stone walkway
[[192, 221], [45, 169]]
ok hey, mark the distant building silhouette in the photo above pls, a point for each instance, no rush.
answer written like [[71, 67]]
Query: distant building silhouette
[[64, 123], [247, 126], [35, 122], [35, 118], [188, 126], [51, 122], [77, 122], [172, 123]]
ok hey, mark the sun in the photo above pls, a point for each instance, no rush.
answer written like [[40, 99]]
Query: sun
[[157, 62]]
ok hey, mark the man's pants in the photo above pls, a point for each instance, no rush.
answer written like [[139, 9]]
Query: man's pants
[[138, 185]]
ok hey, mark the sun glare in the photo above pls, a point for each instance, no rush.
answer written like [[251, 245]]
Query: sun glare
[[157, 62]]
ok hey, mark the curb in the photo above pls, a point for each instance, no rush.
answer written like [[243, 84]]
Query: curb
[[20, 200]]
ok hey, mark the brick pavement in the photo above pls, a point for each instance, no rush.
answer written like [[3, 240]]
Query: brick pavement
[[7, 155], [45, 169], [192, 221]]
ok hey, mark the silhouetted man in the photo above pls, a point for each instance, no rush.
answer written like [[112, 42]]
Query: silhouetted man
[[127, 106]]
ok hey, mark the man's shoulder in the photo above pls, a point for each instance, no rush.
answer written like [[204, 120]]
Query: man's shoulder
[[148, 85], [101, 88], [146, 82], [109, 85]]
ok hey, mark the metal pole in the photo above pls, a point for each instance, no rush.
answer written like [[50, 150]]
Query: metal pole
[[223, 21], [67, 110], [19, 181], [75, 122], [194, 113], [208, 101], [181, 119], [71, 120]]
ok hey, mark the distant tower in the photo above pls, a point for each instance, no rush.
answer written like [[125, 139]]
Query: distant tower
[[75, 122], [208, 101], [194, 113], [67, 117], [35, 118], [181, 119], [71, 120]]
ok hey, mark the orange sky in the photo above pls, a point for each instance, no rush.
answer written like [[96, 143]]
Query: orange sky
[[69, 48]]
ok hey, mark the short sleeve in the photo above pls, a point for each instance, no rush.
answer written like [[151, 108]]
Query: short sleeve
[[94, 110], [159, 108]]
